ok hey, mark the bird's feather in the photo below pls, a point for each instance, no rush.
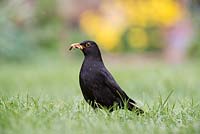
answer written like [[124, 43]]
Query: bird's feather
[[98, 85]]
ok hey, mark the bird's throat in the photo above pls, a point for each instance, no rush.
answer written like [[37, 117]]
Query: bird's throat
[[92, 58]]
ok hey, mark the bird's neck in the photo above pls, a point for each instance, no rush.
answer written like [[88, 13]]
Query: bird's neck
[[92, 61], [95, 58]]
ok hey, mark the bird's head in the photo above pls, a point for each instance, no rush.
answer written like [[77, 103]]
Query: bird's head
[[89, 48]]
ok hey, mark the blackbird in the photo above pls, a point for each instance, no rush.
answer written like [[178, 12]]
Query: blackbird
[[98, 86]]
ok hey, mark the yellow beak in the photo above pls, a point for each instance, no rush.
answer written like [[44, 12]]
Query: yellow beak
[[76, 45]]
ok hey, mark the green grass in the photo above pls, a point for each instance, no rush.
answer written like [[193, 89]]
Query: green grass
[[44, 98]]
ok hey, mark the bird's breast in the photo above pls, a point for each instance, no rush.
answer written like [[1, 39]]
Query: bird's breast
[[89, 74]]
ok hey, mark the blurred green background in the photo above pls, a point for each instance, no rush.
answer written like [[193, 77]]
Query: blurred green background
[[29, 28]]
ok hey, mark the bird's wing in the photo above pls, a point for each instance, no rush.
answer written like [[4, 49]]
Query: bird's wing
[[113, 86]]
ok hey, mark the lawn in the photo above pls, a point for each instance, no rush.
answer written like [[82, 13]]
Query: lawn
[[43, 97]]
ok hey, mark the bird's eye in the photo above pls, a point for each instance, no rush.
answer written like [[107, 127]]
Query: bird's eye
[[87, 44]]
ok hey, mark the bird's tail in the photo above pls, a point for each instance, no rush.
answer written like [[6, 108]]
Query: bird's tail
[[132, 106]]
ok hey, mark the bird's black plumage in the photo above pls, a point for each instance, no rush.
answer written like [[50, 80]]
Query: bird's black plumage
[[97, 84]]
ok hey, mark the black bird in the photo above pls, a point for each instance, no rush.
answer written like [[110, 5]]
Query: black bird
[[97, 84]]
